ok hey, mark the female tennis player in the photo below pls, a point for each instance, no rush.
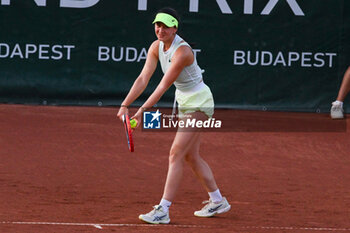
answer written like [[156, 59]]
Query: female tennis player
[[194, 99]]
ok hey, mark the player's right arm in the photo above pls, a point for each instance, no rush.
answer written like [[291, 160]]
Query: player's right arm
[[142, 80]]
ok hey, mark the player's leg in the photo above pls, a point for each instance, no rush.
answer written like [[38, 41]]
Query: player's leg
[[337, 111], [216, 204], [182, 142], [200, 168], [345, 86]]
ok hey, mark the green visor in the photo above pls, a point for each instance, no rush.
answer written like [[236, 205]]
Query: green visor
[[167, 19]]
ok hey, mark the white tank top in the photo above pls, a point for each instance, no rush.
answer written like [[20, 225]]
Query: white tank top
[[190, 76]]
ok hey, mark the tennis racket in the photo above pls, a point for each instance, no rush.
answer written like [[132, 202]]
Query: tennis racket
[[128, 132]]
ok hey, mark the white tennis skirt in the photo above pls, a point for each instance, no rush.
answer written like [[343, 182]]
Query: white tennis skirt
[[196, 99]]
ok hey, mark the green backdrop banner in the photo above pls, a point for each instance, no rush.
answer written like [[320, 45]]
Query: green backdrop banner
[[285, 55]]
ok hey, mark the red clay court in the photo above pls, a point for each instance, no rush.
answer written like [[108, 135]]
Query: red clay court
[[68, 169]]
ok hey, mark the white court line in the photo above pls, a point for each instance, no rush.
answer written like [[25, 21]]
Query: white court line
[[298, 228], [101, 225]]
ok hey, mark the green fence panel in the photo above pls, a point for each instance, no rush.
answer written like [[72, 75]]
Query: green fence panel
[[287, 55]]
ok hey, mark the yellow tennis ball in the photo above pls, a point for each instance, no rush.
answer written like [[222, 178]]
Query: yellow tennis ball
[[133, 123]]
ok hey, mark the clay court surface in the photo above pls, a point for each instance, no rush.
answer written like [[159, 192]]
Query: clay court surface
[[68, 169]]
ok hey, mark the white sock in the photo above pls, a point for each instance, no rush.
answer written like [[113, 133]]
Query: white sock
[[165, 205], [339, 102], [215, 196]]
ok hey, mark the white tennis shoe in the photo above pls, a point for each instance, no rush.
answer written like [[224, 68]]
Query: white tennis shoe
[[211, 208], [156, 216], [337, 111]]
